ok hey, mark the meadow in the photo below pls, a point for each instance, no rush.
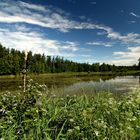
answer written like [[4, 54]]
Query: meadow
[[38, 114]]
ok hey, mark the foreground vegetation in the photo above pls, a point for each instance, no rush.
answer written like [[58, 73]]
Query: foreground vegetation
[[37, 114]]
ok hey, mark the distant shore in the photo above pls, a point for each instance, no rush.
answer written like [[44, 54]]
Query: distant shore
[[67, 74]]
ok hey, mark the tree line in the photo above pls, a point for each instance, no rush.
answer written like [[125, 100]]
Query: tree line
[[12, 62]]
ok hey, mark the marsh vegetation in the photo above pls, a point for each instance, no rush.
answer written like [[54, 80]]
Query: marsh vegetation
[[38, 114]]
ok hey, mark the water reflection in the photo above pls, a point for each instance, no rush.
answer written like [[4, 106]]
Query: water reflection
[[122, 84], [86, 83]]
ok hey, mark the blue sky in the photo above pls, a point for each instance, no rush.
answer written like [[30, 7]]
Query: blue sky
[[79, 30]]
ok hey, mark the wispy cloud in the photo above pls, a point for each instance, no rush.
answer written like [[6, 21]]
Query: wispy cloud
[[128, 38], [82, 17], [132, 22], [16, 12], [13, 12], [135, 15], [101, 33], [93, 2], [32, 6], [22, 39], [121, 62], [107, 44], [131, 53], [128, 57], [70, 46]]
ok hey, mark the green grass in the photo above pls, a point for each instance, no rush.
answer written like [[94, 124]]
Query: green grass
[[39, 115], [69, 74]]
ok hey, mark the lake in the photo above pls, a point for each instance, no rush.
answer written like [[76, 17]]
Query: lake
[[117, 85], [73, 84]]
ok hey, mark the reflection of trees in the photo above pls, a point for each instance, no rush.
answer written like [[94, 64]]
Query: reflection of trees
[[10, 85], [105, 78], [97, 78], [136, 77], [139, 63]]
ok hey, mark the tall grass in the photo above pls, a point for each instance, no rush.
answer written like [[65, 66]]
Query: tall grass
[[36, 115]]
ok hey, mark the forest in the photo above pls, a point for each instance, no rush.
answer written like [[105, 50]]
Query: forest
[[12, 63]]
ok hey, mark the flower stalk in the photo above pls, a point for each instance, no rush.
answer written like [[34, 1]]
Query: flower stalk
[[25, 71]]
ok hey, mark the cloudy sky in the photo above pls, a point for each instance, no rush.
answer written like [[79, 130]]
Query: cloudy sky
[[79, 30]]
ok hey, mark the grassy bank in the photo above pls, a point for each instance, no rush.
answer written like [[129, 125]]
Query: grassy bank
[[38, 115], [69, 74]]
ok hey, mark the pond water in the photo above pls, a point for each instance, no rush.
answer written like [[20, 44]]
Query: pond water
[[117, 85], [78, 84]]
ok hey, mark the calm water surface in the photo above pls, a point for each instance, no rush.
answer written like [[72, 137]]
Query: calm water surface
[[79, 84], [119, 84]]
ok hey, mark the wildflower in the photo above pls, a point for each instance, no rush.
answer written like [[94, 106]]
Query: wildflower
[[105, 126], [129, 128], [71, 120], [44, 110], [2, 111], [54, 95], [15, 104], [30, 80], [84, 113], [70, 131], [77, 128], [96, 132]]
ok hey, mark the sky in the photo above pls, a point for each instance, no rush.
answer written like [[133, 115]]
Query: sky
[[85, 31]]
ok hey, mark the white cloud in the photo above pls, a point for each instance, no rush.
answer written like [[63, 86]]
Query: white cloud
[[101, 33], [129, 38], [135, 15], [127, 58], [32, 6], [132, 21], [68, 45], [14, 12], [93, 2], [36, 42], [131, 53], [107, 44], [124, 58], [123, 62]]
